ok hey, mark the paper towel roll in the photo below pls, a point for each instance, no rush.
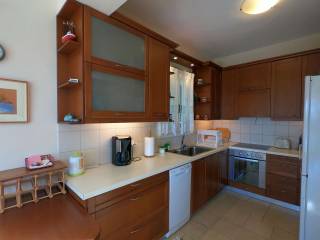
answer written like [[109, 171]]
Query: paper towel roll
[[149, 146]]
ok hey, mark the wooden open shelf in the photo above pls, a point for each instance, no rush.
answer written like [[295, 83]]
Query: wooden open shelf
[[202, 85], [68, 47]]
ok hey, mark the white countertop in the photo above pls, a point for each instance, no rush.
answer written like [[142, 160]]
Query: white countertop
[[274, 151], [108, 177]]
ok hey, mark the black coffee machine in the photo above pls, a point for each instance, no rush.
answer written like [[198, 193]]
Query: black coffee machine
[[121, 150]]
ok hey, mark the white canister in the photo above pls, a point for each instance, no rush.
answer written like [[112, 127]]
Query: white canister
[[76, 165], [149, 146]]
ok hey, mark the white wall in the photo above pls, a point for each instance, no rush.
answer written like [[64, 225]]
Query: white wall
[[283, 48], [28, 32]]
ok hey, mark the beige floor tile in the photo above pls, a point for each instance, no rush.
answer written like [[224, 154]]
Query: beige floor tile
[[225, 228], [191, 231], [212, 235], [280, 234], [285, 219], [244, 234], [230, 216]]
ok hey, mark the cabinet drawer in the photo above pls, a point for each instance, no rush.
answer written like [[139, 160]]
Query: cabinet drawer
[[289, 167], [133, 209], [110, 198], [283, 188], [155, 228]]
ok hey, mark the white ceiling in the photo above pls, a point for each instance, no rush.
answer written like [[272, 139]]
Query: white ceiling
[[215, 28], [105, 6]]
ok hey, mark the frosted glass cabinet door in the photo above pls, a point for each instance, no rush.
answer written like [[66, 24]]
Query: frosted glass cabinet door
[[112, 43], [116, 93]]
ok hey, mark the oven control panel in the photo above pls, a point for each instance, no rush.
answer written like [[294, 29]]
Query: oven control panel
[[262, 156]]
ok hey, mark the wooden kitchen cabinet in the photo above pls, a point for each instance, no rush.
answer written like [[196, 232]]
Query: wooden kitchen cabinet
[[136, 211], [254, 77], [253, 103], [229, 90], [253, 97], [208, 177], [159, 70], [198, 185], [286, 89], [122, 68], [213, 175], [283, 178], [311, 64]]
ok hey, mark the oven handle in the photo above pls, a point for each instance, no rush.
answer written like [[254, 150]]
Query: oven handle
[[246, 159]]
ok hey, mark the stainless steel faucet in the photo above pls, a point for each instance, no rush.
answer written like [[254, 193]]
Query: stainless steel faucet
[[182, 141]]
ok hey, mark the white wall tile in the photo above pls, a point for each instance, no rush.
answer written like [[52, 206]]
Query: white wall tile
[[267, 140], [282, 130], [261, 130], [91, 157], [69, 141], [256, 138], [90, 139]]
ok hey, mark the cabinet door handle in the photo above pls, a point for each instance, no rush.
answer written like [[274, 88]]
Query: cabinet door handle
[[135, 231], [134, 199], [135, 185]]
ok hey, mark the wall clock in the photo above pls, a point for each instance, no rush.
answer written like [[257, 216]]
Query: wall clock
[[2, 53]]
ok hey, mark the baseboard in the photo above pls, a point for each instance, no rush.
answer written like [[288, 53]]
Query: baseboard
[[263, 198]]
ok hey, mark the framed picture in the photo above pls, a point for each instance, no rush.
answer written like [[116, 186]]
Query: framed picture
[[13, 101]]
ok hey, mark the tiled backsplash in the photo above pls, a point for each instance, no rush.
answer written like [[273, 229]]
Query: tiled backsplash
[[262, 130], [94, 140]]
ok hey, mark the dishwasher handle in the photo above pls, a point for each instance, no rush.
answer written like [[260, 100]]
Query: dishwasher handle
[[181, 170]]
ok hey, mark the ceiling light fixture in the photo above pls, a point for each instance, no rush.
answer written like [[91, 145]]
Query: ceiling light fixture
[[257, 6], [175, 58]]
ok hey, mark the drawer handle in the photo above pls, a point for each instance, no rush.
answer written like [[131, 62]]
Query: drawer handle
[[134, 199], [135, 231], [135, 185]]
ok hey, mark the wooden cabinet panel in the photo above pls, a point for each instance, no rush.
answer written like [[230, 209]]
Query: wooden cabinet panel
[[286, 89], [154, 229], [253, 103], [283, 188], [311, 64], [229, 89], [159, 68], [254, 77], [223, 159], [131, 210], [208, 177], [198, 185], [284, 166], [213, 177], [283, 178]]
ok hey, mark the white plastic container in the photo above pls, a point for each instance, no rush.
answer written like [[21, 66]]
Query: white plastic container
[[76, 165]]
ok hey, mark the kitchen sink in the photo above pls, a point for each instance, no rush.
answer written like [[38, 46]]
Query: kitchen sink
[[191, 150]]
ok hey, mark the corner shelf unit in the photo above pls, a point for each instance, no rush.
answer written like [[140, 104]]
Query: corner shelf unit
[[70, 62], [210, 88]]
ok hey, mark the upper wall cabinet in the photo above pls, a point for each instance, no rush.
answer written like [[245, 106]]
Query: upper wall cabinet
[[159, 71], [311, 64], [229, 90], [254, 77], [111, 43], [287, 89], [122, 68], [253, 98]]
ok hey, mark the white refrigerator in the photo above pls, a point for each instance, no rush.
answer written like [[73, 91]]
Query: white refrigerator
[[310, 181]]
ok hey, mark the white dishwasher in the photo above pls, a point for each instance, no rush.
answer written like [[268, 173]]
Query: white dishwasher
[[180, 194]]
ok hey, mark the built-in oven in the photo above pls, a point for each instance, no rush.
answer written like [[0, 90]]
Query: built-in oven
[[247, 167]]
